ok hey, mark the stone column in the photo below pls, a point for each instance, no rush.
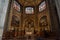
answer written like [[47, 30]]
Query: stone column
[[3, 10], [58, 7]]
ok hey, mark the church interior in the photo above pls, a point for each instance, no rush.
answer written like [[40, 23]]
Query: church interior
[[31, 20]]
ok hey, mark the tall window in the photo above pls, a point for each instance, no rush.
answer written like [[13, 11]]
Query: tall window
[[16, 6], [29, 10], [42, 6]]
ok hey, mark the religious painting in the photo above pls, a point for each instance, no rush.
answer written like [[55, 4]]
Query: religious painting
[[15, 21], [43, 21]]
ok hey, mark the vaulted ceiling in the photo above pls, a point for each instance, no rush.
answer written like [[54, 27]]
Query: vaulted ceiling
[[29, 2]]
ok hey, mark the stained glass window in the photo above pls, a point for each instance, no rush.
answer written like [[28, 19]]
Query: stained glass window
[[42, 6], [29, 10], [16, 6]]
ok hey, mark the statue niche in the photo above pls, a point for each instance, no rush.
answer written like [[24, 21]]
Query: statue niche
[[15, 25], [43, 25], [15, 21], [29, 27], [43, 21]]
